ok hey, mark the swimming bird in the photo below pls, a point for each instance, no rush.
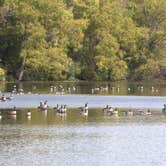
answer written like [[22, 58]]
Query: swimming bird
[[60, 108], [3, 98], [12, 111], [57, 108], [106, 108], [164, 109], [28, 113], [109, 110], [143, 112], [0, 115], [130, 113], [148, 112], [84, 110], [43, 106], [10, 97]]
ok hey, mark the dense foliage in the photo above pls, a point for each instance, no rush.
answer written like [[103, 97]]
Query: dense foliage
[[82, 39]]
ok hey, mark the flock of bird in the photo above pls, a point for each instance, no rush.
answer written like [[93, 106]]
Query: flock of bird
[[62, 110], [60, 89]]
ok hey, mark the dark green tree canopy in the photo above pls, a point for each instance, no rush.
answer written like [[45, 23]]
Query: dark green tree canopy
[[82, 39]]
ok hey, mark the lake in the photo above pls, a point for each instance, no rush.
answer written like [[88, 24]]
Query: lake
[[123, 94], [150, 88], [48, 138], [97, 139]]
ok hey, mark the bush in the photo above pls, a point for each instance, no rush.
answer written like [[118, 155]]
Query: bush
[[2, 74]]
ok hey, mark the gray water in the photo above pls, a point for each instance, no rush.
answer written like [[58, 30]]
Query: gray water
[[47, 138], [96, 140], [31, 100]]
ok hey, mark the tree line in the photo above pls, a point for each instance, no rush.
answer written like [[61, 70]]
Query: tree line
[[82, 39]]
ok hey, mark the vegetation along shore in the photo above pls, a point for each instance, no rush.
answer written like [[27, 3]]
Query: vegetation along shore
[[82, 39]]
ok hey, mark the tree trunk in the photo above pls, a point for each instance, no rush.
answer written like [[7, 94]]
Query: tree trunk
[[22, 69]]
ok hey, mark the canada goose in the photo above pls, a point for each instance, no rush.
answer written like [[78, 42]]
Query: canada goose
[[43, 106], [0, 115], [109, 110], [164, 109], [28, 113], [3, 98], [12, 111], [57, 107], [106, 108], [130, 113], [148, 112], [10, 97], [62, 109], [84, 110]]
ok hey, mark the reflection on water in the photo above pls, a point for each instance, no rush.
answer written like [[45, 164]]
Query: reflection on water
[[51, 117], [48, 138], [145, 88]]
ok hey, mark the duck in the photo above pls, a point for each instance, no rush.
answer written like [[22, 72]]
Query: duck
[[84, 110]]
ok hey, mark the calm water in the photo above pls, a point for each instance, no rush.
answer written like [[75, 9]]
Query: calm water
[[94, 101], [113, 88], [147, 94], [73, 140], [50, 139]]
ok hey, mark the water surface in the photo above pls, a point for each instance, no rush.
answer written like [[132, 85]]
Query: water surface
[[150, 87], [49, 139]]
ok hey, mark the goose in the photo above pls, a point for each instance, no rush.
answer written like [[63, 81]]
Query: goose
[[62, 109], [3, 98], [108, 110], [84, 110], [115, 111], [148, 112], [74, 88], [57, 108], [0, 115], [43, 106], [111, 111], [164, 109], [28, 113], [13, 111], [10, 97], [130, 113]]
